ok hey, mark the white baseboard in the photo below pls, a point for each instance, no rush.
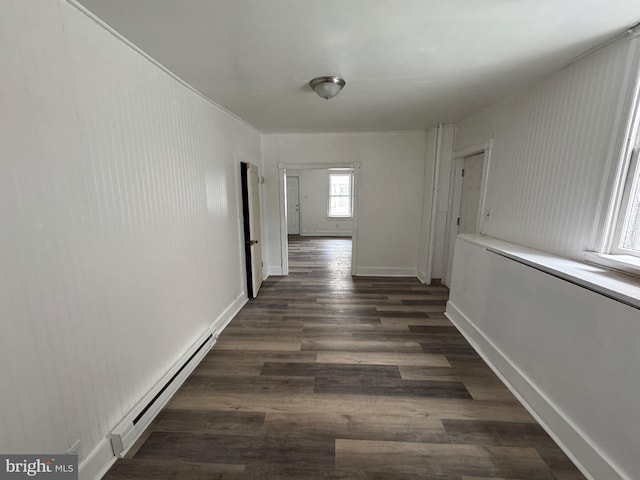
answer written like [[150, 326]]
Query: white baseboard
[[589, 459], [272, 271], [422, 276], [102, 457], [327, 233], [220, 323], [386, 272], [98, 462]]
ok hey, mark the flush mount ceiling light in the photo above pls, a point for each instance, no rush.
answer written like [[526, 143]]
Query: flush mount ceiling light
[[327, 87]]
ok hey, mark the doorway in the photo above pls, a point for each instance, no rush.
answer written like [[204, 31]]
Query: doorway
[[295, 170], [250, 180], [468, 186], [468, 218]]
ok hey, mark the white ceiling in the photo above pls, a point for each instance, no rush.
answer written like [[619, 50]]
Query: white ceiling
[[408, 64]]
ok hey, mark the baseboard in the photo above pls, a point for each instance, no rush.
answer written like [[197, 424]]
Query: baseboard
[[422, 276], [386, 272], [272, 271], [327, 233], [102, 457], [220, 323], [98, 462], [589, 459]]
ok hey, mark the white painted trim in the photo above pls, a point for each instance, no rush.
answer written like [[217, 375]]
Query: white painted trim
[[272, 271], [284, 235], [386, 272], [220, 323], [483, 187], [354, 210], [84, 10], [282, 188], [591, 461], [619, 154], [98, 462], [314, 166], [102, 457], [326, 233], [472, 150], [434, 205], [126, 433], [422, 276]]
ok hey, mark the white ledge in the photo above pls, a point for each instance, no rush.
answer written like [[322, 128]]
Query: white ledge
[[618, 286]]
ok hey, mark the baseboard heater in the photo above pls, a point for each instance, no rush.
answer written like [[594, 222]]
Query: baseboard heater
[[125, 434]]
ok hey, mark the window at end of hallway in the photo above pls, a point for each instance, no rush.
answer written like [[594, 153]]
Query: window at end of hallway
[[339, 200]]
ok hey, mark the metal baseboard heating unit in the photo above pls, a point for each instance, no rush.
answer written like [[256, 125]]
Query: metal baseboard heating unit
[[124, 435]]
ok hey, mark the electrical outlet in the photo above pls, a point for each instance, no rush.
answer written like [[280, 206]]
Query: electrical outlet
[[75, 449]]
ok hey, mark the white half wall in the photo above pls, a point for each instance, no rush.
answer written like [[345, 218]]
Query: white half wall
[[569, 353], [121, 238], [390, 193], [554, 146]]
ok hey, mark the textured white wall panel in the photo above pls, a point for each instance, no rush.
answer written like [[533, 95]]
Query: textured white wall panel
[[570, 353], [120, 244], [390, 196], [552, 150]]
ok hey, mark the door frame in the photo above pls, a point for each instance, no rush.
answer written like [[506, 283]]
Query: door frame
[[282, 187], [239, 158], [455, 194]]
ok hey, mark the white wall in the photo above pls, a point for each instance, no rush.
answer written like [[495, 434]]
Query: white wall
[[572, 354], [119, 210], [313, 206], [390, 194], [552, 152]]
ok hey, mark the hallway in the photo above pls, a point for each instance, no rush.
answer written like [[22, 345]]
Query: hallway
[[325, 376]]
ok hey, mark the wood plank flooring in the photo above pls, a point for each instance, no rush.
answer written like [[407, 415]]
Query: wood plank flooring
[[325, 376]]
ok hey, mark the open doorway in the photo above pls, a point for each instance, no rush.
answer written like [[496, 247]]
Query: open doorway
[[318, 201], [468, 186]]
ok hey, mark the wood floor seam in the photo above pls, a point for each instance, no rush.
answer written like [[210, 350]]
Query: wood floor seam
[[325, 376]]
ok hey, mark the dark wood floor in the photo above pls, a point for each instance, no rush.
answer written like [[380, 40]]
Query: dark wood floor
[[325, 376]]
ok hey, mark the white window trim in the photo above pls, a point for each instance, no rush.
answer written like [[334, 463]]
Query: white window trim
[[606, 251], [340, 172]]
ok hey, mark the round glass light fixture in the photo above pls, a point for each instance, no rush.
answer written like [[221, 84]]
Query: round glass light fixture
[[327, 87]]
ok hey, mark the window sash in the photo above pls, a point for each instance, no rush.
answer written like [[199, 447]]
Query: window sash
[[626, 240], [339, 202]]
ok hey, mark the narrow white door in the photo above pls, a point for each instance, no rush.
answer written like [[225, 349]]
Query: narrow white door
[[293, 205], [252, 233], [470, 197]]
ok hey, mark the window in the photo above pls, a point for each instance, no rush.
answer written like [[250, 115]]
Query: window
[[339, 198], [627, 238], [620, 247]]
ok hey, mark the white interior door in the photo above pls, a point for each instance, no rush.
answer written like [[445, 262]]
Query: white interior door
[[470, 195], [293, 205], [252, 231]]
